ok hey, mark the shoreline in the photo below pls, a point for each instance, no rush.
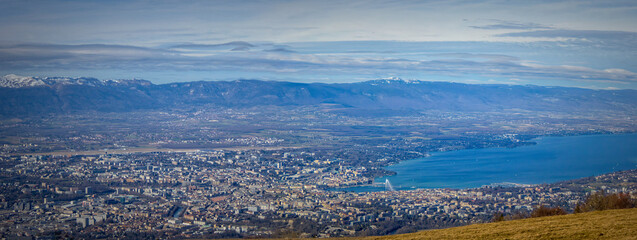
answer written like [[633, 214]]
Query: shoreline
[[533, 141], [244, 148]]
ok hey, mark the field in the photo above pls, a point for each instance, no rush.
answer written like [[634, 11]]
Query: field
[[610, 224]]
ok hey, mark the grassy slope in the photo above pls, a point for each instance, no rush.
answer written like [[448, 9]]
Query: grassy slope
[[610, 224]]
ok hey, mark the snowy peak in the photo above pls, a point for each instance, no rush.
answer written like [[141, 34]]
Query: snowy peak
[[393, 80], [127, 82], [93, 82], [15, 81]]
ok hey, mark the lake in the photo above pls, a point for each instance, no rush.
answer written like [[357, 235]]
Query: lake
[[552, 159]]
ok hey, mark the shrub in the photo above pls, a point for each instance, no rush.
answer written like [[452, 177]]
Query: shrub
[[517, 215], [497, 217], [601, 201], [544, 211]]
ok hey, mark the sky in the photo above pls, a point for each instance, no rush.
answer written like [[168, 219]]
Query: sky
[[589, 44]]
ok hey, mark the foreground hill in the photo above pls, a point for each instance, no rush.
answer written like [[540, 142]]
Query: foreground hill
[[610, 224], [35, 96]]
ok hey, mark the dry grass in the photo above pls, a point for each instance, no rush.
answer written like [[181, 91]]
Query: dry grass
[[609, 224]]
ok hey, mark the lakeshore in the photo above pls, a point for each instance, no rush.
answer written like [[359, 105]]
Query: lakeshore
[[552, 159]]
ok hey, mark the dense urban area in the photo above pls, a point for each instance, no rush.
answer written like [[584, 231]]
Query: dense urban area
[[210, 194], [264, 172]]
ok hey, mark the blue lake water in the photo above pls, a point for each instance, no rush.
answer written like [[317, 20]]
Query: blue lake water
[[552, 159]]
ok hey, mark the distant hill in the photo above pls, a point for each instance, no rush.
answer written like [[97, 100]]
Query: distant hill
[[609, 224], [27, 96]]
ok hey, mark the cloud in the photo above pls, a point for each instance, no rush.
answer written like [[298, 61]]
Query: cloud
[[493, 57], [279, 50], [619, 37], [585, 40], [270, 59], [511, 25], [233, 46], [40, 56]]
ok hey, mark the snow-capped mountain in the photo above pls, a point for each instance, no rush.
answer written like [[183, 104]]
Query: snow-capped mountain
[[20, 96], [15, 81], [394, 80]]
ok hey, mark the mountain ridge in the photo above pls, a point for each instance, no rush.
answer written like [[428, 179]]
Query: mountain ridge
[[29, 96]]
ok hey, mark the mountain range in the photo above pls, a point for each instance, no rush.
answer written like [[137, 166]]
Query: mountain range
[[32, 96]]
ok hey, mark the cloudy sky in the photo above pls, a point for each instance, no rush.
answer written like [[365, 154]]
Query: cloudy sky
[[591, 44]]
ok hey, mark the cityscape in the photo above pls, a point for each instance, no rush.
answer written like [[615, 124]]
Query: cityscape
[[212, 194], [284, 119], [215, 171]]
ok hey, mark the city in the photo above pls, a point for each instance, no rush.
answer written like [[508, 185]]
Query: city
[[284, 119], [211, 194]]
